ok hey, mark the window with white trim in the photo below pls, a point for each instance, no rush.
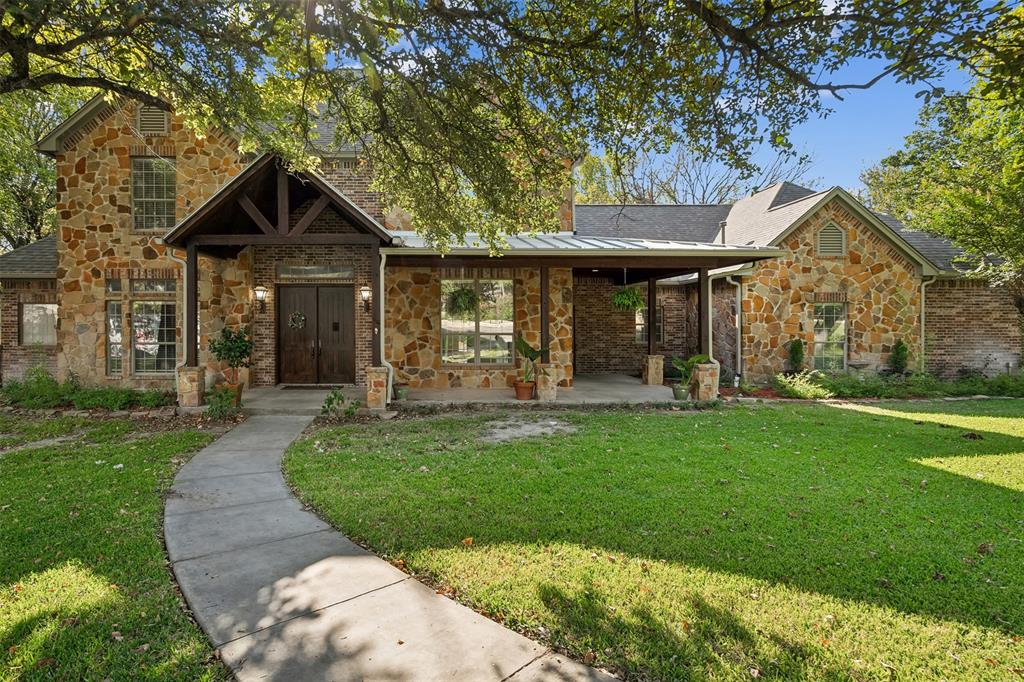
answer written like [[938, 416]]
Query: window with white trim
[[477, 322], [153, 188], [640, 325], [154, 337], [38, 324], [830, 337], [831, 241]]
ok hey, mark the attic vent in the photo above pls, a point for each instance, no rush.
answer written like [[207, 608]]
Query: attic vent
[[152, 121], [831, 241]]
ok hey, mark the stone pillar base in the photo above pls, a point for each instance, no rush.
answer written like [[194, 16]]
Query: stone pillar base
[[653, 372], [376, 388], [548, 376], [191, 386], [704, 382]]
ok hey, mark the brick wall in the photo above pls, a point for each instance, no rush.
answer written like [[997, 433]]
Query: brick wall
[[352, 178], [15, 359], [970, 327]]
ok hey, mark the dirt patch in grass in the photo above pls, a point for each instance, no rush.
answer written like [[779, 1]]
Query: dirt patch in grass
[[515, 429]]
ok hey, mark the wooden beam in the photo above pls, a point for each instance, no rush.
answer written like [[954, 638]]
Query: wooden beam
[[311, 214], [652, 314], [192, 306], [283, 210], [378, 295], [261, 221], [704, 311], [545, 315], [280, 239]]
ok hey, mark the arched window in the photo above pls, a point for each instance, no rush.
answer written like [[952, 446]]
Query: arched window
[[831, 241]]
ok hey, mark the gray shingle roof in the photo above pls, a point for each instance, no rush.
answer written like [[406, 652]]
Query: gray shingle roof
[[940, 251], [35, 260], [688, 223]]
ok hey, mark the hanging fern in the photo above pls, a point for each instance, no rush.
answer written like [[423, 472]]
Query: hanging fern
[[462, 301], [629, 298]]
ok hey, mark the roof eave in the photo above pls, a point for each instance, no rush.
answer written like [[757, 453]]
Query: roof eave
[[51, 143], [29, 275], [754, 253]]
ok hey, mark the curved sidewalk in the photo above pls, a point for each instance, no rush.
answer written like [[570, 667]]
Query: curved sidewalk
[[285, 597]]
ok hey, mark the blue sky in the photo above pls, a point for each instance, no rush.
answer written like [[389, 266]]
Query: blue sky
[[864, 127]]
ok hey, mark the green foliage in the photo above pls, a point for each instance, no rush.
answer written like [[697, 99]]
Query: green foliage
[[154, 398], [629, 299], [685, 367], [462, 301], [336, 404], [795, 351], [805, 385], [530, 355], [107, 398], [220, 403], [899, 357], [233, 347], [39, 390]]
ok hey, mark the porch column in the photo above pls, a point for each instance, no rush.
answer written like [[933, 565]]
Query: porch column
[[704, 312], [653, 371], [545, 316], [191, 377], [378, 292]]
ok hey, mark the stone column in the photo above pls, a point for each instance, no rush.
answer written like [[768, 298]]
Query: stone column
[[704, 382], [191, 386], [548, 376], [654, 370], [376, 388]]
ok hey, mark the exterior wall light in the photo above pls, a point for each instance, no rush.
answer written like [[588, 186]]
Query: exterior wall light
[[364, 294], [260, 293]]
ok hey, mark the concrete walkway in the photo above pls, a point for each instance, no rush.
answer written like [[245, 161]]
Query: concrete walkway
[[285, 597]]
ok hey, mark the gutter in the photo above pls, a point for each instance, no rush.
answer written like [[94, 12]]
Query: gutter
[[185, 312], [924, 283], [572, 252]]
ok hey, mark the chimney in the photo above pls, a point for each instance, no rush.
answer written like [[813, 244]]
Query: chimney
[[721, 229]]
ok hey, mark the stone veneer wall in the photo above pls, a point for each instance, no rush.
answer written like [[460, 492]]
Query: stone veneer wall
[[15, 359], [97, 235], [606, 337], [972, 327], [413, 326], [881, 286]]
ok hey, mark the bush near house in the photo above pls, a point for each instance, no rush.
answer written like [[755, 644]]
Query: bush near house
[[812, 385], [39, 390]]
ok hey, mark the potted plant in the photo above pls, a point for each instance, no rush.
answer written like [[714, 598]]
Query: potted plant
[[525, 387], [682, 390], [234, 348]]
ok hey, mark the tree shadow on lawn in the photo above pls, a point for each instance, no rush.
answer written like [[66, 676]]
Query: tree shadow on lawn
[[822, 500]]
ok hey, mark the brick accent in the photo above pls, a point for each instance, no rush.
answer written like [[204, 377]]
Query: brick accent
[[971, 326], [352, 177], [15, 358]]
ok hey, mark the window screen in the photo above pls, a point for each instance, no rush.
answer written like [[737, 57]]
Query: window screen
[[153, 187], [154, 331], [39, 324], [830, 336]]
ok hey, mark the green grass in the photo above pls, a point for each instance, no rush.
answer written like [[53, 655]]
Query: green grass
[[797, 541], [85, 593]]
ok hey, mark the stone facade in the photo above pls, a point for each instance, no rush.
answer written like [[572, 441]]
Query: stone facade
[[971, 327], [16, 358], [878, 284], [413, 326]]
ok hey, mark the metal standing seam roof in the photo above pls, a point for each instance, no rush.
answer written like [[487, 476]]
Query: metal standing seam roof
[[37, 260]]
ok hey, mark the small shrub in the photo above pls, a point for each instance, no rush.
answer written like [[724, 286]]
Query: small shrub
[[234, 348], [154, 398], [805, 385], [220, 403], [39, 390], [336, 404], [899, 356], [107, 398], [796, 355]]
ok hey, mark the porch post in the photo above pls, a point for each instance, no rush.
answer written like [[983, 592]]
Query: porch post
[[652, 314], [191, 305], [378, 291], [545, 316], [704, 311]]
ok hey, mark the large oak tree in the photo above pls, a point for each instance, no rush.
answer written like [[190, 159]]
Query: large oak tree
[[468, 110]]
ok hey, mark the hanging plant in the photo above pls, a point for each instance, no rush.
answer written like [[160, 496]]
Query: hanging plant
[[629, 298], [462, 301]]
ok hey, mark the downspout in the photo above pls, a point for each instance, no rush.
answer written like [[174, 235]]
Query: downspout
[[185, 312], [380, 330], [738, 372], [923, 285]]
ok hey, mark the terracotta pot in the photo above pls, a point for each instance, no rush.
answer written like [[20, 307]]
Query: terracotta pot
[[237, 390], [524, 390]]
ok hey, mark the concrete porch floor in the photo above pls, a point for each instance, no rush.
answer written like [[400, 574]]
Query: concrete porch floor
[[293, 401], [588, 389]]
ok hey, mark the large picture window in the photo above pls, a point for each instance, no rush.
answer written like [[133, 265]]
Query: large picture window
[[477, 321], [38, 324], [830, 337], [153, 188], [154, 331]]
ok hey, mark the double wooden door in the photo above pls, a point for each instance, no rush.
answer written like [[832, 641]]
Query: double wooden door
[[316, 334]]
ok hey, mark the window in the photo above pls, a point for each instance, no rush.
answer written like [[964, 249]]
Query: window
[[153, 186], [831, 241], [153, 286], [39, 324], [640, 322], [830, 336], [477, 321], [154, 331], [115, 338], [152, 121], [113, 286]]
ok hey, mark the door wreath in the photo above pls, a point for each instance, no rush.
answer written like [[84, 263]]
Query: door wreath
[[297, 320]]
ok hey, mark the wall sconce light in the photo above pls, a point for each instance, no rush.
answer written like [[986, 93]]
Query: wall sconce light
[[261, 297], [364, 294]]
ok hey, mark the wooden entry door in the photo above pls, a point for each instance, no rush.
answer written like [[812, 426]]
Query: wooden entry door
[[316, 334]]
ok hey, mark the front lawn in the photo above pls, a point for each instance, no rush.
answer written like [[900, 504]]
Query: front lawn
[[85, 592], [882, 542]]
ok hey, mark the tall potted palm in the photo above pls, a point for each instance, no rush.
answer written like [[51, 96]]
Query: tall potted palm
[[234, 347], [525, 387]]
